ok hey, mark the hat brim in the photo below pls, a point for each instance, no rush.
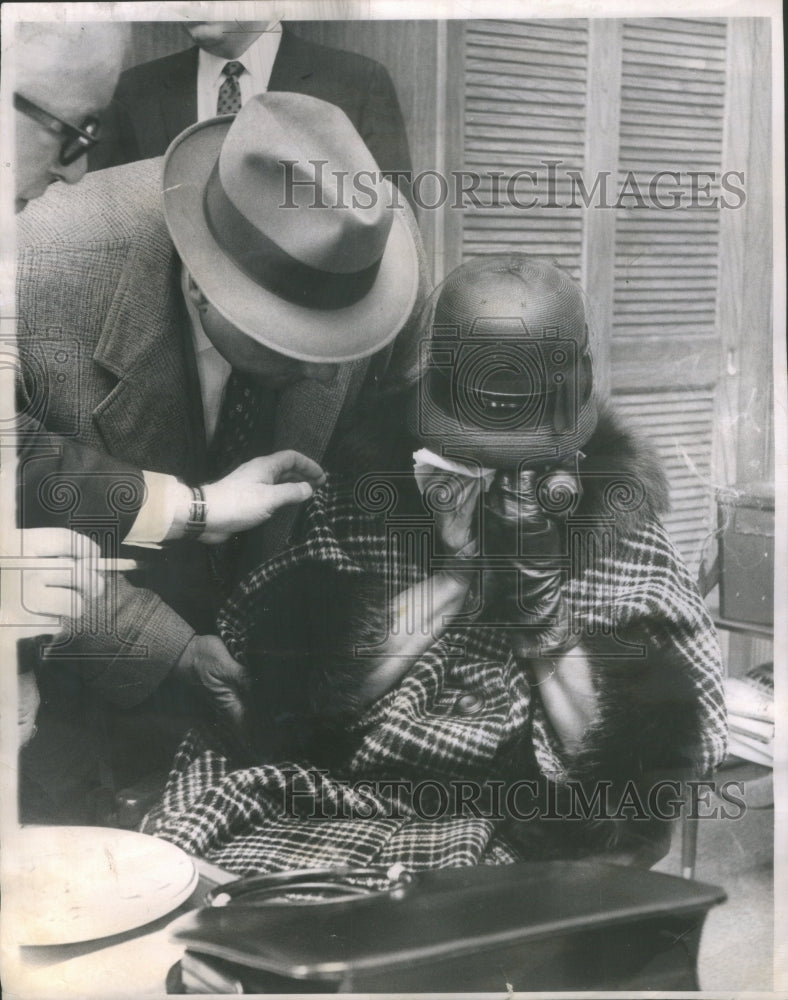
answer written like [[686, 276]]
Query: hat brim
[[496, 448], [313, 335]]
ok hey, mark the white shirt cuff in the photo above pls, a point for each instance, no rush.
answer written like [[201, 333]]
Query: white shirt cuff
[[164, 496]]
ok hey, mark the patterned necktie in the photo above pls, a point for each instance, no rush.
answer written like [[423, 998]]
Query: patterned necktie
[[245, 427], [245, 430], [229, 100]]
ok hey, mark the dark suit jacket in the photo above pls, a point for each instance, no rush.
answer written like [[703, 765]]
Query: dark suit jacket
[[101, 308], [155, 101]]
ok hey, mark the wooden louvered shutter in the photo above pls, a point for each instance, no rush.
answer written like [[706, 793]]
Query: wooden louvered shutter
[[632, 98], [525, 104], [665, 344]]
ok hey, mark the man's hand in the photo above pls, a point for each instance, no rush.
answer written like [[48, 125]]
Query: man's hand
[[205, 662], [254, 491], [29, 701], [72, 579]]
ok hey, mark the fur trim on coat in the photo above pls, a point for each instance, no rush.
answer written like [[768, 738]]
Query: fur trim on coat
[[621, 476]]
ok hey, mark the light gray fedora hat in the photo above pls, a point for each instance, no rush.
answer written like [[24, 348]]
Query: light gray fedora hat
[[291, 253]]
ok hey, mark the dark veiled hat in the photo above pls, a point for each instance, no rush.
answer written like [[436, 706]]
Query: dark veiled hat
[[506, 372]]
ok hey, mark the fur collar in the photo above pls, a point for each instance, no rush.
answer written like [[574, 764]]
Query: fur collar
[[621, 475]]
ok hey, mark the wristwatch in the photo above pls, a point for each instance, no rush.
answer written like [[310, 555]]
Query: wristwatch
[[198, 513]]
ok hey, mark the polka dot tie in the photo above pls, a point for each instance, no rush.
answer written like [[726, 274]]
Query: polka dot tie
[[245, 430], [245, 427], [229, 100]]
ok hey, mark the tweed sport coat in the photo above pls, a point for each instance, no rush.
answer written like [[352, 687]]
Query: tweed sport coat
[[101, 316], [155, 101]]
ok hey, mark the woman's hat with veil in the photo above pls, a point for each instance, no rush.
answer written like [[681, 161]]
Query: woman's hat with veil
[[505, 367]]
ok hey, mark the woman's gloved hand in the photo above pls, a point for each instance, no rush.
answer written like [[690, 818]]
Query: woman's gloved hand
[[525, 594]]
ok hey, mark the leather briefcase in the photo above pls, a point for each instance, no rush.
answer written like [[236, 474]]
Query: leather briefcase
[[523, 927]]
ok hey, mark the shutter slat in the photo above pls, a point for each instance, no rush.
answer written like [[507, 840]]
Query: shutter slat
[[531, 32], [525, 85], [522, 62], [677, 31], [679, 124], [513, 89]]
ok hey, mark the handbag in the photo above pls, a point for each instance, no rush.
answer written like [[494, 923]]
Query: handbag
[[524, 927]]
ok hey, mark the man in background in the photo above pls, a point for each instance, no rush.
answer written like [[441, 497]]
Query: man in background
[[231, 61], [65, 74]]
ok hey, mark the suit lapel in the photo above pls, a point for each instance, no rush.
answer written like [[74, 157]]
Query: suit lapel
[[292, 65], [153, 416], [307, 412], [306, 418]]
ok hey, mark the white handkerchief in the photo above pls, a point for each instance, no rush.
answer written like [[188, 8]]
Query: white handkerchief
[[426, 463]]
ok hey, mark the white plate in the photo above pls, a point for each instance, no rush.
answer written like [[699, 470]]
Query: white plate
[[77, 883]]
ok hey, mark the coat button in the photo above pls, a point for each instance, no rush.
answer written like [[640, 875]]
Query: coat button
[[469, 704]]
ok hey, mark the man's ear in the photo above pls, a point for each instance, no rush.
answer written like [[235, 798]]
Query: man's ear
[[194, 292]]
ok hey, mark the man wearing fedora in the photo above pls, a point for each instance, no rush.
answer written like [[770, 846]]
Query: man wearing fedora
[[199, 325], [65, 74]]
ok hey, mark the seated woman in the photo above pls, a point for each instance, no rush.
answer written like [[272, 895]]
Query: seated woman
[[500, 658]]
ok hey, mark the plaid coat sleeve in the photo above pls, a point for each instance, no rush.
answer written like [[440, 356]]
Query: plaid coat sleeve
[[656, 662], [656, 667]]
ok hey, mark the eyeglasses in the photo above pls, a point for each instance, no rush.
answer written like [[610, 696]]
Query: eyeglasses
[[77, 141]]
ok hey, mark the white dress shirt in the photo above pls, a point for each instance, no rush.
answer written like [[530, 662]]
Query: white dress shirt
[[165, 496], [212, 369], [257, 61]]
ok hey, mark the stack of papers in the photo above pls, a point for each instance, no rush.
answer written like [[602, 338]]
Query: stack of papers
[[750, 704]]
